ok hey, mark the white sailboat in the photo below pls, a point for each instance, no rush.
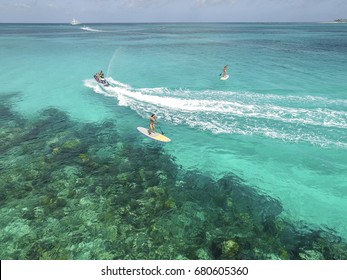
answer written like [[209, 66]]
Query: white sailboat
[[74, 22]]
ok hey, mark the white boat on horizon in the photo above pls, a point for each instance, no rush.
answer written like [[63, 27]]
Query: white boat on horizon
[[74, 22]]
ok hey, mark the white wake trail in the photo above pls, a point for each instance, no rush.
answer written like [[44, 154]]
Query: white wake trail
[[86, 28], [238, 113]]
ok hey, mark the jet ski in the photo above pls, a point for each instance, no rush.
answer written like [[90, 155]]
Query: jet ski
[[101, 81]]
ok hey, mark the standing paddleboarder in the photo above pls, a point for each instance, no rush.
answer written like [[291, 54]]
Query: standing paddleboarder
[[152, 121]]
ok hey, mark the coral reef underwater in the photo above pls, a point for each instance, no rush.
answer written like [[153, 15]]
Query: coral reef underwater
[[73, 190]]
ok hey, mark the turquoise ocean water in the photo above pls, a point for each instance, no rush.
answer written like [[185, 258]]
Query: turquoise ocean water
[[279, 122]]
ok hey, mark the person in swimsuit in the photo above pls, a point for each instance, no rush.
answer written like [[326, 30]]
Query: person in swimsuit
[[152, 121], [225, 70], [101, 74]]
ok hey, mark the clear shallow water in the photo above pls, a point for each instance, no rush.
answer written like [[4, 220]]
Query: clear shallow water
[[279, 122]]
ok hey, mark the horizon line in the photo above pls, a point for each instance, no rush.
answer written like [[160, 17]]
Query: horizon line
[[168, 22]]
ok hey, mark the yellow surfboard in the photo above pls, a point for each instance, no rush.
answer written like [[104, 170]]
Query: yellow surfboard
[[154, 135]]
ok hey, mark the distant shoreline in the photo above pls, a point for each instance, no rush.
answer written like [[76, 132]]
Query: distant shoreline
[[334, 22]]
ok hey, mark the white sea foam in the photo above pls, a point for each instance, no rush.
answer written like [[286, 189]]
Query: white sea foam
[[86, 28], [280, 117]]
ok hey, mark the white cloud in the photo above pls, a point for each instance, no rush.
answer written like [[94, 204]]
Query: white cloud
[[52, 6], [144, 3], [201, 3], [21, 5], [215, 2]]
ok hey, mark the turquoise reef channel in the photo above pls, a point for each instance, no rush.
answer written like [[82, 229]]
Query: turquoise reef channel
[[72, 190]]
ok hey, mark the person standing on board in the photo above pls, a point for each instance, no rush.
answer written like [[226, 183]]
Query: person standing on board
[[152, 121], [225, 70]]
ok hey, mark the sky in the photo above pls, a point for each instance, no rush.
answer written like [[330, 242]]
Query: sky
[[93, 11]]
